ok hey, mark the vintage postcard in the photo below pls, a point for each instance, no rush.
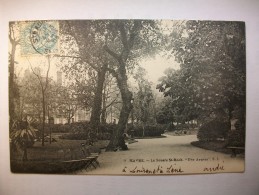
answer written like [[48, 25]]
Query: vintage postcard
[[127, 97]]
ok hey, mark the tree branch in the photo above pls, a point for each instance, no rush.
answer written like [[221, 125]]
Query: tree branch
[[112, 53], [130, 42], [134, 33], [35, 73], [81, 60], [124, 39], [113, 101], [47, 76], [77, 42]]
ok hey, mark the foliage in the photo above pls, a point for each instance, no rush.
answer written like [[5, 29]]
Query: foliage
[[61, 128], [150, 130], [212, 73], [114, 46], [213, 130], [22, 137], [185, 126], [217, 146], [237, 137], [30, 94], [144, 100], [82, 131], [62, 101], [75, 136]]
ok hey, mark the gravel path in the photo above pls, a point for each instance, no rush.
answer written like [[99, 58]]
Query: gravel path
[[169, 155]]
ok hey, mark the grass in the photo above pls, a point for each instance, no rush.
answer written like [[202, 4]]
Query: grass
[[45, 159], [217, 146]]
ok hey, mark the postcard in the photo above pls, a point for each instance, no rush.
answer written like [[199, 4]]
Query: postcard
[[127, 97]]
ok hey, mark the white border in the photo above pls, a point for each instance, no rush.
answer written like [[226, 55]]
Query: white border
[[246, 183]]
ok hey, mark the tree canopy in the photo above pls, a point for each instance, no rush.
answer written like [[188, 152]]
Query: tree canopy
[[212, 74]]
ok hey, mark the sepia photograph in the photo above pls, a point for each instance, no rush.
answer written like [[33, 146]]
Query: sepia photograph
[[127, 97]]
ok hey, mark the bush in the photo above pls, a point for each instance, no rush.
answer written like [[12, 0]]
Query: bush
[[236, 139], [63, 128], [213, 130], [80, 131], [150, 130], [185, 126], [75, 136], [60, 128], [107, 128]]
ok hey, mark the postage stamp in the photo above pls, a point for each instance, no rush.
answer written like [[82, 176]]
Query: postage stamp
[[39, 37]]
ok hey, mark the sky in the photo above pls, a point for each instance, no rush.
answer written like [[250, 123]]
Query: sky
[[156, 67]]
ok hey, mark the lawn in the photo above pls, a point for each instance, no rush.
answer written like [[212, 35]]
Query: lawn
[[41, 157], [217, 146]]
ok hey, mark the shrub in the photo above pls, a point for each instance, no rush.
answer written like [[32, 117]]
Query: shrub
[[75, 136], [213, 130], [149, 130], [22, 136], [107, 128], [236, 138], [80, 131], [63, 128]]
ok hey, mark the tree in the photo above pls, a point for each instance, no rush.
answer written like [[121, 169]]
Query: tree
[[144, 103], [125, 42], [64, 100], [110, 97], [87, 37], [13, 88], [30, 103], [211, 80], [182, 106], [43, 83], [166, 113], [114, 45]]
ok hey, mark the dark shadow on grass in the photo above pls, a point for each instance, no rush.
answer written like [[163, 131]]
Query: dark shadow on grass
[[217, 146]]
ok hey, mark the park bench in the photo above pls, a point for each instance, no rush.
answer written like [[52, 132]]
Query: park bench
[[73, 165], [70, 166], [93, 157], [79, 159], [234, 150]]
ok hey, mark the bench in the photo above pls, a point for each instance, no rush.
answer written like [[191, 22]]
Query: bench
[[70, 165], [79, 159], [74, 165], [93, 157], [234, 150]]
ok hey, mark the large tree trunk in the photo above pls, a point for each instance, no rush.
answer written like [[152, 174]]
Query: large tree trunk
[[97, 104], [117, 140], [11, 82]]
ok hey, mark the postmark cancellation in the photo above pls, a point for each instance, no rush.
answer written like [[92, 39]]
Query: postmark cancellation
[[39, 37]]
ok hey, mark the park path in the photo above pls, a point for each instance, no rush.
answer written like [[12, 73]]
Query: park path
[[169, 155]]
